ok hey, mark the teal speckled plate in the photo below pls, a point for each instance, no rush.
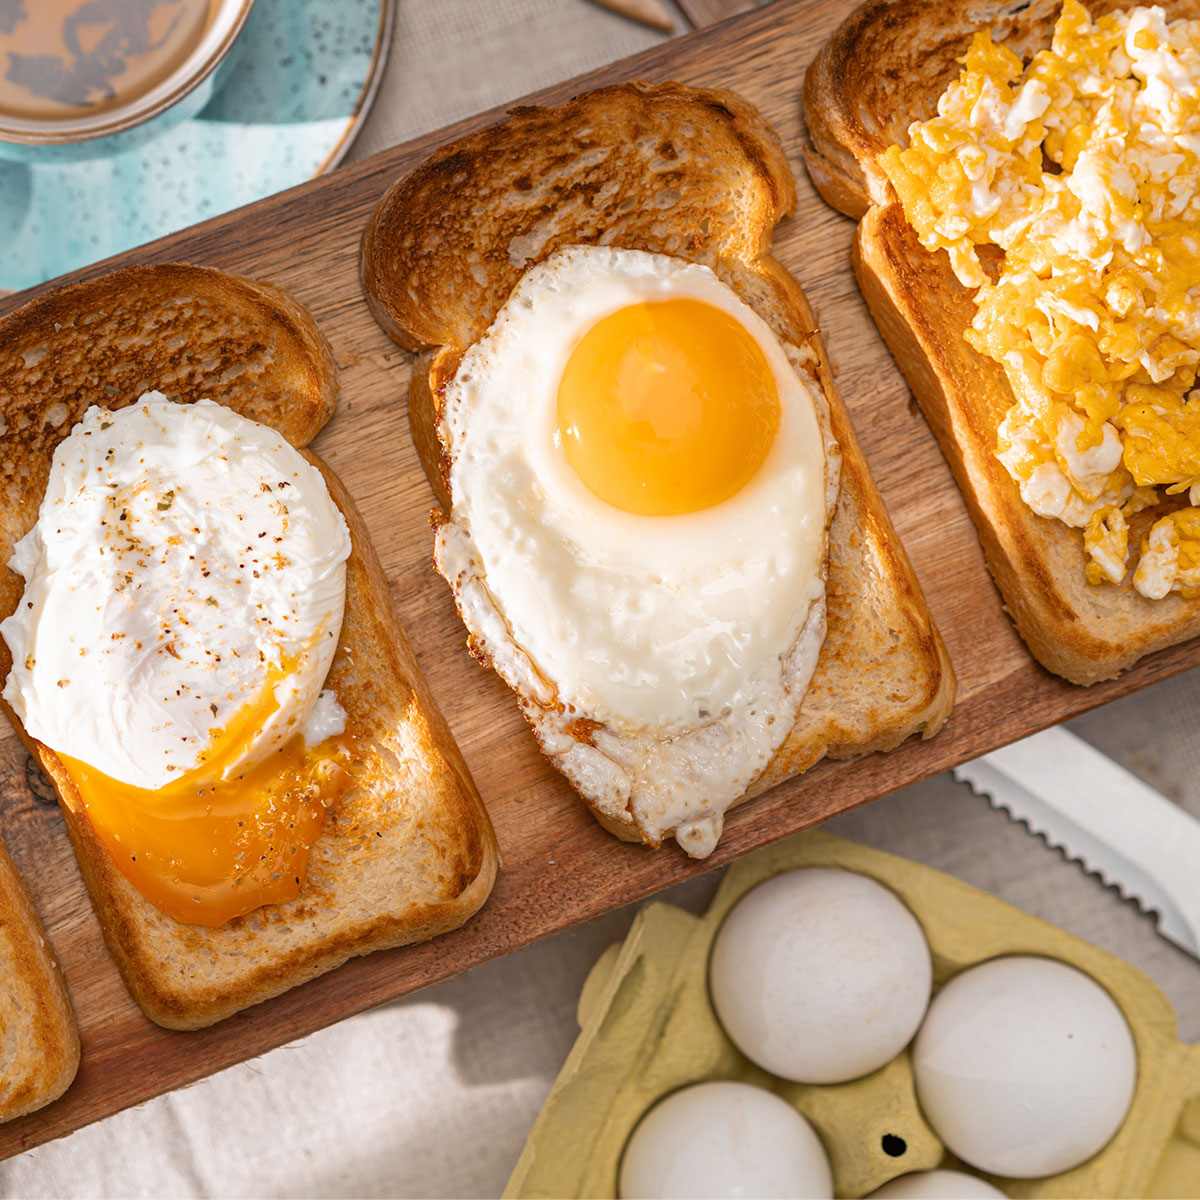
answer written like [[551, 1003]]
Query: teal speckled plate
[[305, 75]]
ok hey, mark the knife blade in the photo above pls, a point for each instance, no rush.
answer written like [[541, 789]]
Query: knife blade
[[1102, 816]]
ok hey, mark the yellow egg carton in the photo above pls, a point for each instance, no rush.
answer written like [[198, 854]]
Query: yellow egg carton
[[647, 1028]]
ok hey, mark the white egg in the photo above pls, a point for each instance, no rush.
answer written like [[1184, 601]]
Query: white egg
[[937, 1185], [1024, 1066], [820, 975], [724, 1139], [661, 658]]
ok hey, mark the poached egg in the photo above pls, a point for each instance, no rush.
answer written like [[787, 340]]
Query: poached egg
[[184, 590]]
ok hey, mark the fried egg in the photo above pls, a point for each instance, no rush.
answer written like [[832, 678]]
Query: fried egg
[[641, 489], [1083, 167], [184, 590]]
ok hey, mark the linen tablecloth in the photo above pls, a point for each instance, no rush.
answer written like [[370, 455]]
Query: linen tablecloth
[[434, 1095]]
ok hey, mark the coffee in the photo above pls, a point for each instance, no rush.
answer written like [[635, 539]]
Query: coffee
[[71, 58]]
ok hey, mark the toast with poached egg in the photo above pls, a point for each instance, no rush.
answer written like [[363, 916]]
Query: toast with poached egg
[[39, 1043], [690, 610], [153, 499], [1078, 592]]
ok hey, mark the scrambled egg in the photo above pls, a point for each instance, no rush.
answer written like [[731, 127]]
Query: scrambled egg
[[1084, 168]]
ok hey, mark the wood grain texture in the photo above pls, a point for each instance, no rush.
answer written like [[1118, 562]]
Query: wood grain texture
[[560, 868]]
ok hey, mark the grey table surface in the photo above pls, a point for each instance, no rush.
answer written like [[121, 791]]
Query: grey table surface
[[434, 1095]]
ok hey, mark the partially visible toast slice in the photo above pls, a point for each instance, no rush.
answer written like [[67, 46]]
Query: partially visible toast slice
[[884, 68], [699, 175], [39, 1043], [409, 853]]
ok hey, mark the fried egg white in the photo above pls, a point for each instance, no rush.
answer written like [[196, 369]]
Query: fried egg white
[[184, 590], [641, 491]]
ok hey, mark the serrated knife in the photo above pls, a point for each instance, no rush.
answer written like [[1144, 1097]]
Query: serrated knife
[[1103, 817]]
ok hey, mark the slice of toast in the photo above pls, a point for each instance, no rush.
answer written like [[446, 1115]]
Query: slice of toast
[[884, 68], [409, 853], [698, 175], [39, 1043]]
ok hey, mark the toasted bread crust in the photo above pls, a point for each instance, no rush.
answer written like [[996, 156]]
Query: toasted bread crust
[[884, 68], [179, 329], [409, 853], [432, 281], [880, 642], [39, 1042], [1081, 632], [699, 175]]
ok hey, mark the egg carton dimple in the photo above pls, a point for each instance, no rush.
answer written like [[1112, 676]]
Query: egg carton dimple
[[647, 1028]]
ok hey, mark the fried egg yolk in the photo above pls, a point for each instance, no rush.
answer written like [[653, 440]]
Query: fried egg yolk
[[667, 407], [209, 846]]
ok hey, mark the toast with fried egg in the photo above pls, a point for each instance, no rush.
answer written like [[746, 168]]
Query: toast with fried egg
[[39, 1042], [661, 181], [408, 852], [883, 69]]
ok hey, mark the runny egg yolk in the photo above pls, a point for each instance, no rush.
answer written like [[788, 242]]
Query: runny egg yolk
[[667, 407], [206, 849]]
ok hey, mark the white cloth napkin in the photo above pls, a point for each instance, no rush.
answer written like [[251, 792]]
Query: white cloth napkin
[[434, 1095]]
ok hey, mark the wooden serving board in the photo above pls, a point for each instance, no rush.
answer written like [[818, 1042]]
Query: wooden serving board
[[560, 868]]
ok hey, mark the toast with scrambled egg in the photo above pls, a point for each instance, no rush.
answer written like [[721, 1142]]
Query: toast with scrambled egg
[[1002, 250], [408, 852], [39, 1043], [666, 179]]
